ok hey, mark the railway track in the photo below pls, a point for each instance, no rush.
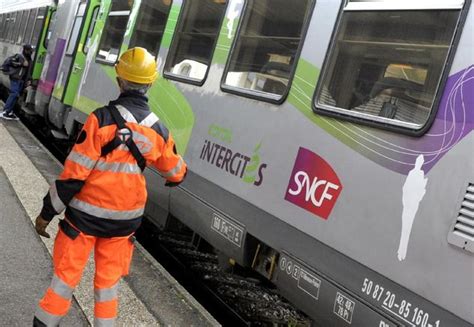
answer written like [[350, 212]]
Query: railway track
[[234, 298]]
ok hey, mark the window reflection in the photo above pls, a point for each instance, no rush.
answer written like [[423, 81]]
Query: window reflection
[[150, 25], [265, 52], [388, 64], [195, 39], [114, 30]]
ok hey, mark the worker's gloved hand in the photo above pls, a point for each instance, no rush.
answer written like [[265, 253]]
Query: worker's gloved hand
[[40, 226], [174, 184]]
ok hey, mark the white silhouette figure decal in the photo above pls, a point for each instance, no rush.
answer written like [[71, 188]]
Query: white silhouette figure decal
[[414, 190]]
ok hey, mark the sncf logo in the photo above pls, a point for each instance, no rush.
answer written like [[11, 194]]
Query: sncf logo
[[313, 185]]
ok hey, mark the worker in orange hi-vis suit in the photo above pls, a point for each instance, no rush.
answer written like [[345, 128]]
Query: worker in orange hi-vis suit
[[103, 191]]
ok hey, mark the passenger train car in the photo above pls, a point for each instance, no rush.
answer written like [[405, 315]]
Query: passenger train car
[[21, 23], [330, 143]]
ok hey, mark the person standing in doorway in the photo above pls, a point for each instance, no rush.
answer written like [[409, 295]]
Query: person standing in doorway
[[21, 65]]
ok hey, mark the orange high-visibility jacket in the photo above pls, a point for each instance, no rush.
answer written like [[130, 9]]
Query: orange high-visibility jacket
[[105, 196]]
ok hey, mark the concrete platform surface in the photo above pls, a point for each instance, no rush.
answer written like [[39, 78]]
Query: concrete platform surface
[[25, 269], [149, 296]]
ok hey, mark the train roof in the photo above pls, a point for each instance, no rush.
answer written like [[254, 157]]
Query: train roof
[[16, 5]]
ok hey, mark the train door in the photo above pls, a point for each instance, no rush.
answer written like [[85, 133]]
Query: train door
[[92, 82], [38, 33], [56, 110], [71, 68], [57, 39], [59, 88], [83, 27]]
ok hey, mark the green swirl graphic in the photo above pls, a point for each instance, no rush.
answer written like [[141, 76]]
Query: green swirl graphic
[[251, 170]]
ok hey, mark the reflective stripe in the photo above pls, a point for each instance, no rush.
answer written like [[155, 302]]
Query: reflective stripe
[[118, 167], [104, 322], [127, 115], [106, 294], [61, 288], [81, 160], [150, 120], [106, 213], [175, 170], [58, 205], [47, 318]]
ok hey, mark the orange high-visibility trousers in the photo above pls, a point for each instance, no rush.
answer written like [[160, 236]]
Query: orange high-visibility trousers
[[112, 261]]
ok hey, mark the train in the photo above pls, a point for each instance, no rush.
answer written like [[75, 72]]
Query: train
[[329, 143]]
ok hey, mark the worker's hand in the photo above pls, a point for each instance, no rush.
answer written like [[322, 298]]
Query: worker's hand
[[40, 226], [174, 184]]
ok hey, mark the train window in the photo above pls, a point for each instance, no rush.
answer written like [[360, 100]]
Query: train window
[[263, 58], [2, 25], [38, 27], [6, 27], [6, 19], [29, 26], [150, 25], [114, 31], [11, 26], [4, 31], [90, 31], [17, 28], [386, 62], [24, 21], [49, 31], [195, 39], [76, 29]]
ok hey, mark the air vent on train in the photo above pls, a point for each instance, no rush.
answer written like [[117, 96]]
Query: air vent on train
[[462, 232]]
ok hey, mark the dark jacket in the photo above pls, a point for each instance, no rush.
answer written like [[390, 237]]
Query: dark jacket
[[21, 72]]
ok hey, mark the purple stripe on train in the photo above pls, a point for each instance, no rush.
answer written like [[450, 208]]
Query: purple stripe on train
[[46, 86], [454, 120]]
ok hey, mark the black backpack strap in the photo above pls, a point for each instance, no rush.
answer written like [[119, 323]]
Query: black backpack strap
[[116, 142], [111, 146]]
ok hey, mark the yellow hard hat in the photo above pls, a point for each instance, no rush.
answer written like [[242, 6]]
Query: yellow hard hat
[[137, 65]]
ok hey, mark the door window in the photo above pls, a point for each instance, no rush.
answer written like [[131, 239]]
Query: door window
[[38, 26], [114, 31], [76, 29]]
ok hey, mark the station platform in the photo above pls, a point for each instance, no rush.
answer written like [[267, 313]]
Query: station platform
[[149, 296]]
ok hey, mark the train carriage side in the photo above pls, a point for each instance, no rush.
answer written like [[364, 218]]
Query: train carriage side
[[354, 197], [328, 143], [25, 24]]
